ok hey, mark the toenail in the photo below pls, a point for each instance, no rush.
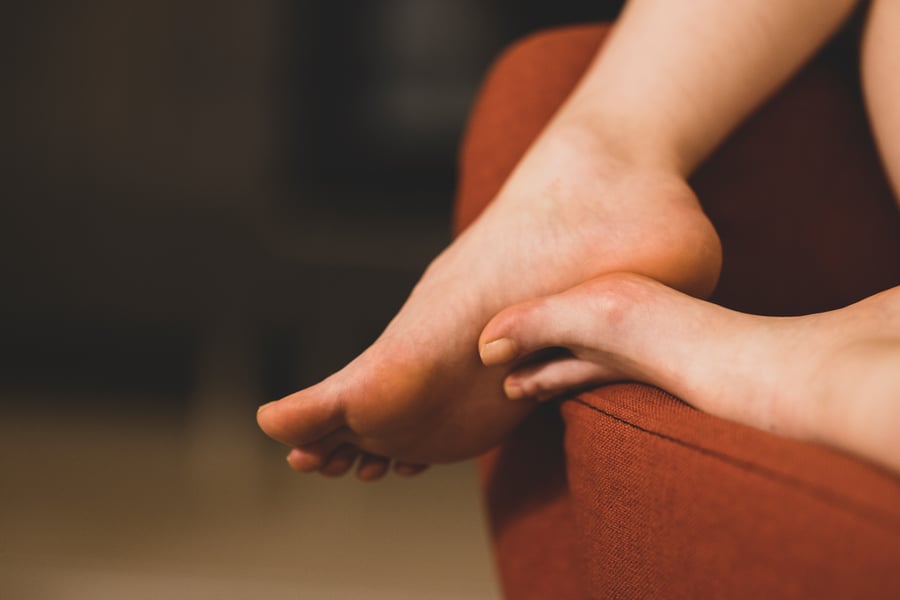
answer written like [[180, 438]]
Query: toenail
[[294, 461], [499, 351], [302, 461], [264, 407], [513, 391]]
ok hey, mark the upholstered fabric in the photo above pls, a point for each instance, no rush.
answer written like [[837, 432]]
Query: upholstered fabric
[[627, 492]]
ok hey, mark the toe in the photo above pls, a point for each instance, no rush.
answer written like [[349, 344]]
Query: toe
[[340, 461], [372, 467], [549, 380], [312, 457], [301, 418], [581, 317], [522, 329], [302, 461]]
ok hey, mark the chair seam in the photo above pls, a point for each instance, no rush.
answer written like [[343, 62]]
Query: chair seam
[[830, 497]]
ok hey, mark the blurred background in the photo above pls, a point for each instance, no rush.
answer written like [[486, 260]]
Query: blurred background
[[208, 205]]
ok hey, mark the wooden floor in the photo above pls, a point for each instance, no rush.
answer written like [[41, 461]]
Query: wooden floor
[[106, 503]]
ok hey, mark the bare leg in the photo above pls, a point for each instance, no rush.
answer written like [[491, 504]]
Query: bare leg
[[602, 190], [880, 66], [832, 377]]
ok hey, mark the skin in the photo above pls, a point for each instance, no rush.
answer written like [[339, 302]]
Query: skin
[[602, 190], [832, 378], [880, 63]]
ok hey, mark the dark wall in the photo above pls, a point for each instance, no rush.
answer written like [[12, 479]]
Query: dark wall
[[177, 168]]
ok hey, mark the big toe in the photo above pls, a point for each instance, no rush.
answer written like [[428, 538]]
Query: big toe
[[302, 417], [528, 327], [580, 317]]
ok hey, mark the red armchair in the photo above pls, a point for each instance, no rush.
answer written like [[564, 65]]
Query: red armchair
[[625, 491]]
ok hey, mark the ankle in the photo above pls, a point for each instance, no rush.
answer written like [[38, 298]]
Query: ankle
[[683, 251], [621, 141]]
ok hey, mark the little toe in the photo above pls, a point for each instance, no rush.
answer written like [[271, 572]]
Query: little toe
[[372, 467]]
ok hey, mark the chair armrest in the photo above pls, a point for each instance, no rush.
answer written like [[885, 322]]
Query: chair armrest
[[671, 502]]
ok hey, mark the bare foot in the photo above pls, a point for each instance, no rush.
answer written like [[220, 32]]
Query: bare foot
[[420, 394], [832, 377]]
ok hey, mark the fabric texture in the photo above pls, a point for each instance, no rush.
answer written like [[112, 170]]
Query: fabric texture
[[627, 492]]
